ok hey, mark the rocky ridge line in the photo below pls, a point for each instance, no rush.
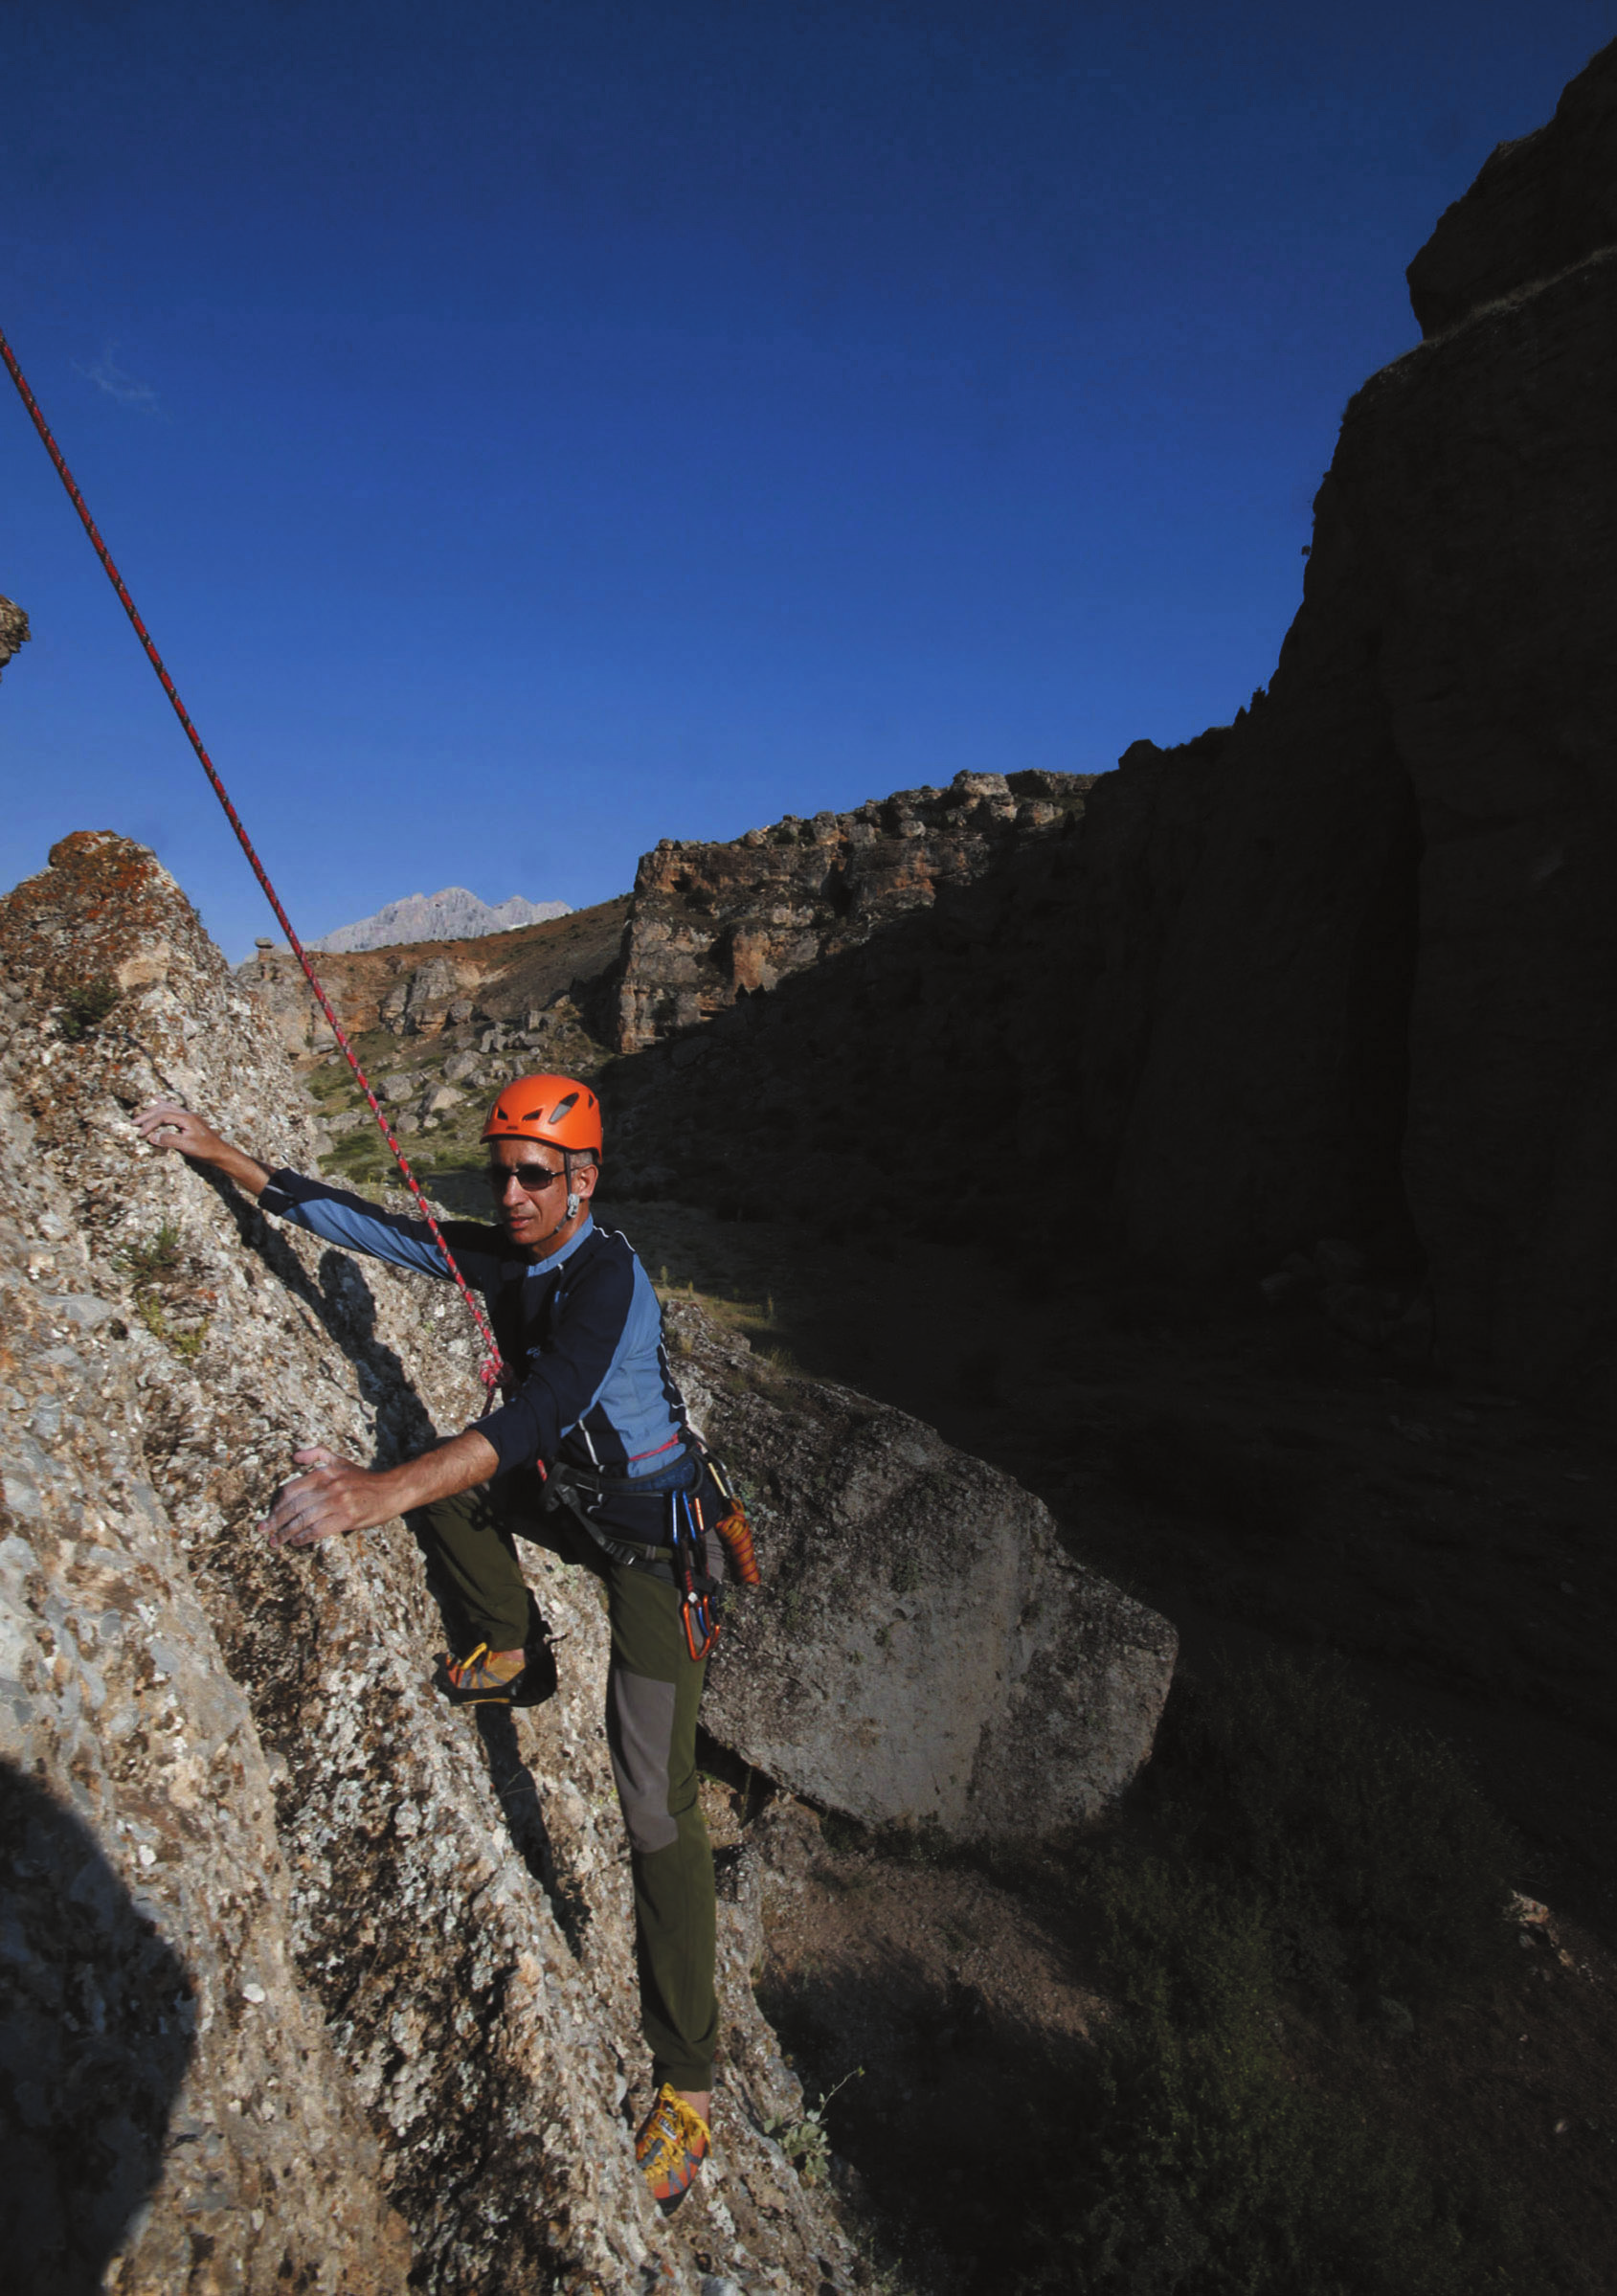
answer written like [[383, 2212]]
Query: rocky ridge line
[[451, 916]]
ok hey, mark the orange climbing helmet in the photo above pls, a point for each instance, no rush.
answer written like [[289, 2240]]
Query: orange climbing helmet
[[558, 1109]]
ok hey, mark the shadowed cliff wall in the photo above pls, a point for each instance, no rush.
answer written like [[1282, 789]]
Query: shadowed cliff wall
[[1403, 862]]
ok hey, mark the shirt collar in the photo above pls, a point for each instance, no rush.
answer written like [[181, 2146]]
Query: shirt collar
[[565, 1252]]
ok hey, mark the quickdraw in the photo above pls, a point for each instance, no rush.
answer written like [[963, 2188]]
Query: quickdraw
[[698, 1592]]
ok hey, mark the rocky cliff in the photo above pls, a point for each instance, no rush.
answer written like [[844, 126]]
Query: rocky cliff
[[1540, 204], [308, 1980], [1383, 1000], [313, 1981], [712, 924], [508, 981], [1344, 969], [918, 1078]]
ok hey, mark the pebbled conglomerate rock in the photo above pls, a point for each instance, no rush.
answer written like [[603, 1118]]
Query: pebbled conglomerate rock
[[343, 1991]]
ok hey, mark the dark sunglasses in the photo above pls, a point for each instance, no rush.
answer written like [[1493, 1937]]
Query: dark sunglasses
[[532, 1178]]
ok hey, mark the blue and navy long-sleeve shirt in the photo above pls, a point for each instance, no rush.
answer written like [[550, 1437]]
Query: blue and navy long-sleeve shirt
[[583, 1329]]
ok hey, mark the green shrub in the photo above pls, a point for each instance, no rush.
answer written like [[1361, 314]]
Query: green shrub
[[1202, 2162], [151, 1263], [1378, 1862], [1304, 1850], [153, 1259], [83, 1009]]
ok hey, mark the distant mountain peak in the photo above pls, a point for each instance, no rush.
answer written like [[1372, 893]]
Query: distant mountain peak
[[453, 914]]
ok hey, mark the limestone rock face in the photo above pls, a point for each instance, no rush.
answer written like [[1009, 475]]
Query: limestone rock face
[[710, 924], [922, 1651], [880, 1079], [422, 1001], [496, 977], [316, 1983]]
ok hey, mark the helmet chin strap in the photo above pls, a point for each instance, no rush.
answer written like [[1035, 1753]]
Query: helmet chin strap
[[573, 1201]]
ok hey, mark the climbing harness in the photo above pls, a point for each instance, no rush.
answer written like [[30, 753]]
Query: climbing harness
[[493, 1370], [679, 1546]]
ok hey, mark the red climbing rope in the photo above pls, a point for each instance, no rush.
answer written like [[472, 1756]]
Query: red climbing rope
[[493, 1369]]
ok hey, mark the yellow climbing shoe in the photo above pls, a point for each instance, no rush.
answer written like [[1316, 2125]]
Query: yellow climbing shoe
[[672, 2145], [480, 1679]]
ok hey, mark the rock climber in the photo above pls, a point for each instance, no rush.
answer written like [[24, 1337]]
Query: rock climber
[[590, 1454]]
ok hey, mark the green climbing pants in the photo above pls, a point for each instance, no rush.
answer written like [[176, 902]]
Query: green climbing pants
[[652, 1692]]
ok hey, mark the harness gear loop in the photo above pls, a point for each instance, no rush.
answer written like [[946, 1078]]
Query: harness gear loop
[[699, 1614], [493, 1370]]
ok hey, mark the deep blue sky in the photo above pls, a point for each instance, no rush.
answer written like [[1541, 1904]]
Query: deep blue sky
[[532, 430]]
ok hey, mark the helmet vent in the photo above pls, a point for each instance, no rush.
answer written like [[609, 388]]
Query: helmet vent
[[564, 1107]]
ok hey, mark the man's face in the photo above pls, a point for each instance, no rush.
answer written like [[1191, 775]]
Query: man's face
[[529, 1218]]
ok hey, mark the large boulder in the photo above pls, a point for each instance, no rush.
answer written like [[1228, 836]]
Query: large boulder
[[923, 1651]]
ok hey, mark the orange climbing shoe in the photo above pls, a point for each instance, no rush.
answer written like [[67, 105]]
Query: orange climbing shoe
[[483, 1679], [672, 2145]]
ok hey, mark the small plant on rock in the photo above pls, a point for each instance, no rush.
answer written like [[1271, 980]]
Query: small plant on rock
[[154, 1264], [82, 1010], [153, 1259], [806, 2142]]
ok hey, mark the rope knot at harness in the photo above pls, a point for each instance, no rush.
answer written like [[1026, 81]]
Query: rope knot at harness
[[494, 1371]]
